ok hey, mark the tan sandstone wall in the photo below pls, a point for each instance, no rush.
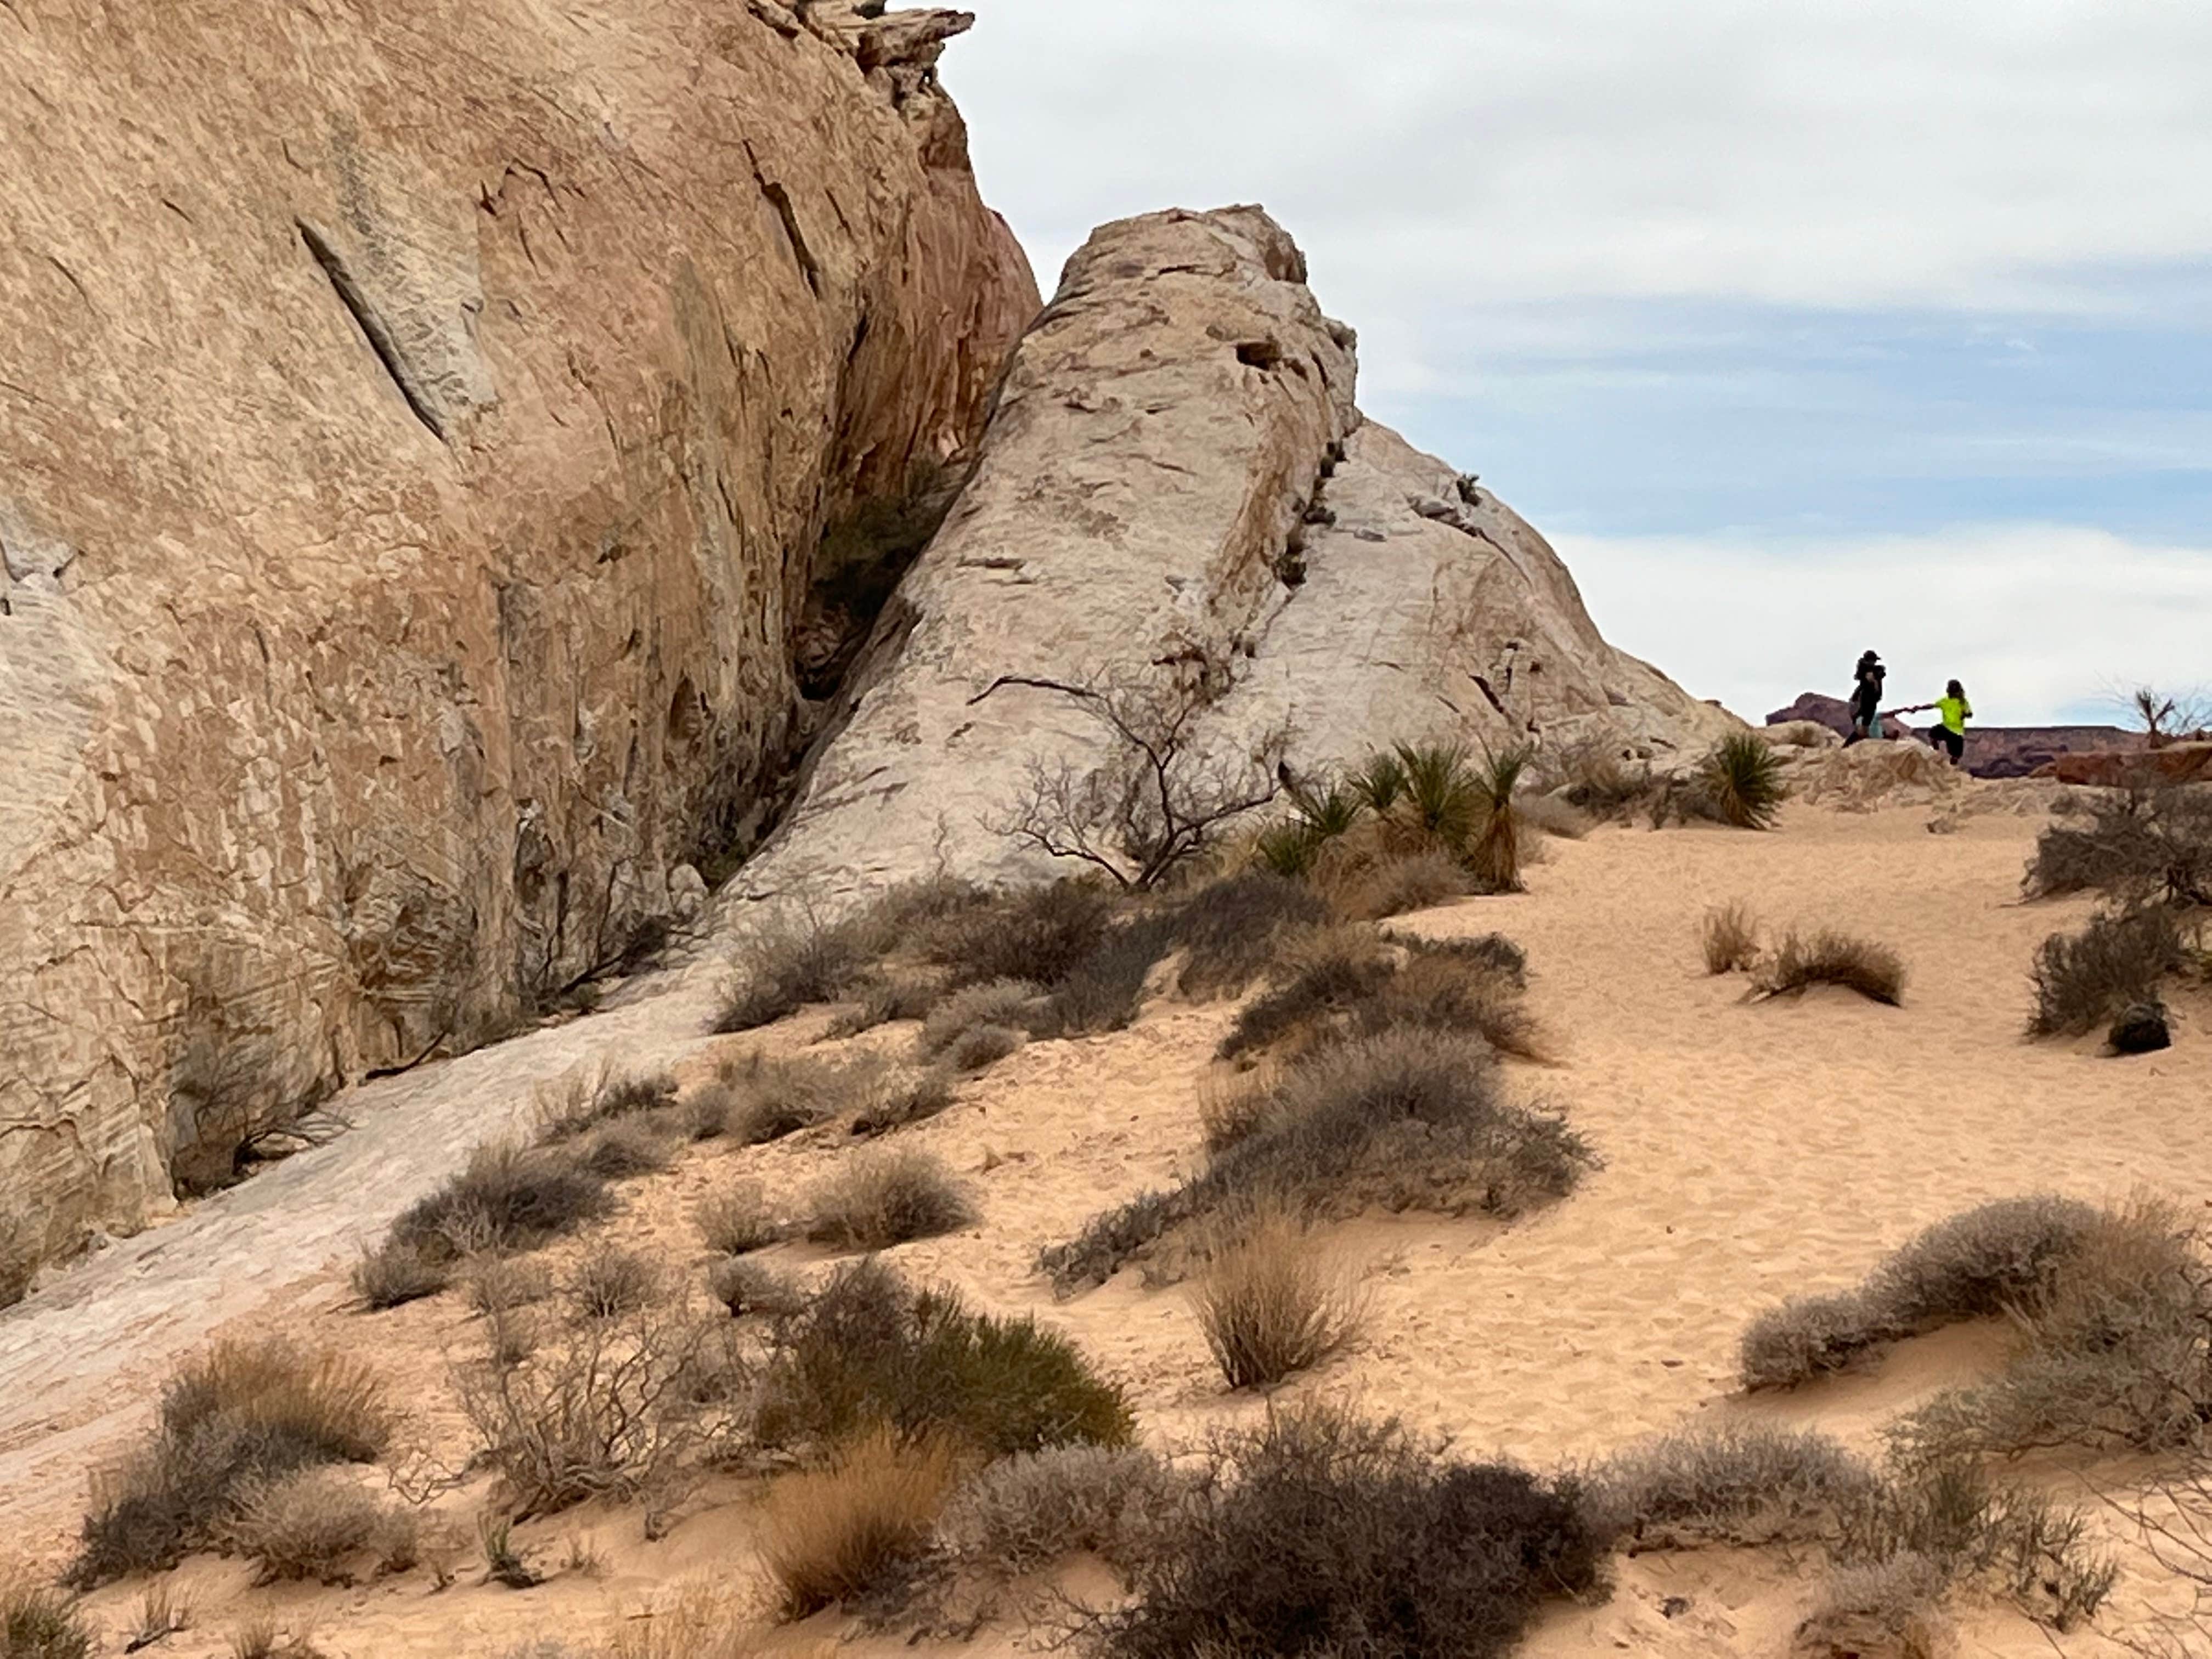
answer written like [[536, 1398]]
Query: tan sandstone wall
[[1177, 480], [417, 420]]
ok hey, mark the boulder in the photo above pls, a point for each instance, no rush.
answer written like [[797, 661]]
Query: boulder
[[1177, 488], [419, 423], [2141, 1030], [2173, 763]]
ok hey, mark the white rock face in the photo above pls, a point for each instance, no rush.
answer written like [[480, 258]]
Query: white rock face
[[1176, 480]]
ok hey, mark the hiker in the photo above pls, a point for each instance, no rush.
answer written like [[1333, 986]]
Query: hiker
[[1866, 698], [1951, 713]]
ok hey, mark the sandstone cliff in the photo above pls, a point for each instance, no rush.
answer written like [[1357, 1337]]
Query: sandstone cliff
[[418, 422], [1176, 482]]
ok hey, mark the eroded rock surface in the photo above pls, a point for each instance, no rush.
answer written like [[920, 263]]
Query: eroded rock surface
[[1176, 482], [417, 421]]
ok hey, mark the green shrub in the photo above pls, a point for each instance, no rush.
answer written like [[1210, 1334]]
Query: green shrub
[[1494, 852], [1317, 1533], [869, 1348], [1740, 781]]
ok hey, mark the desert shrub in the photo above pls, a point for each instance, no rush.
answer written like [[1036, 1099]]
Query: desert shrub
[[1230, 929], [1453, 987], [1552, 815], [752, 1289], [887, 997], [39, 1623], [1740, 781], [1272, 1299], [1729, 937], [1232, 1105], [620, 1150], [601, 1412], [1603, 784], [1408, 1118], [1317, 1533], [1828, 957], [869, 1348], [1889, 1606], [611, 1283], [738, 1219], [1391, 886], [846, 1532], [497, 1283], [314, 1524], [2113, 1349], [1000, 1002], [772, 1098], [1494, 854], [1040, 934], [915, 1097], [390, 1277], [882, 1198], [244, 1413], [1747, 1484], [980, 1047], [1974, 1265], [1322, 975], [2135, 847], [591, 1097], [2082, 980], [1105, 991], [1441, 804], [1025, 1512], [1347, 983], [787, 964], [507, 1197], [1379, 781]]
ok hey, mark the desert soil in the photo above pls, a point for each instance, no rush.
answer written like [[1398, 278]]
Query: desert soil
[[1752, 1152]]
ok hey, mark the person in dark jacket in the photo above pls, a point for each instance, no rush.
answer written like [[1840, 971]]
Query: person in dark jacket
[[1866, 698]]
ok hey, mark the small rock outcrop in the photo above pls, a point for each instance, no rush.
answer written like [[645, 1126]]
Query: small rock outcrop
[[418, 424], [1177, 484], [1992, 751], [2141, 1030]]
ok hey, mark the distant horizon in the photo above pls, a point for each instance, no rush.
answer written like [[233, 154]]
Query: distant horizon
[[1796, 333]]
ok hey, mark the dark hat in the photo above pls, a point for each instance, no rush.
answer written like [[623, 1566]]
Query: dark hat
[[1869, 656]]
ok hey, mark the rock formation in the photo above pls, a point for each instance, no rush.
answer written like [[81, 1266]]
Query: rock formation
[[1176, 485], [1992, 751], [417, 425]]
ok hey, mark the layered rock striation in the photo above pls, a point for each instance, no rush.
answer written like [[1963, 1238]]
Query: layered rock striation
[[418, 426], [1177, 488]]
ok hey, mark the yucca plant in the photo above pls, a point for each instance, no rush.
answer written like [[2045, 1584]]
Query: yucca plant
[[1380, 781], [1495, 855], [1288, 848], [1327, 811], [1441, 797], [1743, 780]]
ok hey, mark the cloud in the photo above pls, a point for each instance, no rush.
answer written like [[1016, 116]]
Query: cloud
[[2043, 623]]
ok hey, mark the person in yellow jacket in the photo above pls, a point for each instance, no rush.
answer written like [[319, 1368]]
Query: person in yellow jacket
[[1952, 711]]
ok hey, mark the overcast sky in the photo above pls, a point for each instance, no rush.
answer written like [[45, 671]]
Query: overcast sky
[[1798, 327]]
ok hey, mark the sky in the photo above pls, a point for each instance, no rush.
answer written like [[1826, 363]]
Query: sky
[[1799, 328]]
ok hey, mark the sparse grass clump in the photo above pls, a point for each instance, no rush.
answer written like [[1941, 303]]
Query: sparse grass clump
[[1025, 1512], [1975, 1265], [316, 1524], [1740, 781], [852, 1529], [1829, 958], [739, 1220], [39, 1623], [1729, 937], [1391, 886], [871, 1348], [882, 1198], [1005, 1002], [1273, 1300], [2121, 957], [1317, 1533], [245, 1413], [1408, 1118]]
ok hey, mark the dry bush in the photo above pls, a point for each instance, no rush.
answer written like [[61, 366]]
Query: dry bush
[[1975, 1265], [851, 1530], [1025, 1512], [980, 1047], [789, 963], [914, 1098], [2136, 846], [1040, 934], [738, 1219], [1890, 1605], [1272, 1299], [162, 1612], [316, 1524], [611, 1283], [387, 1278], [1232, 1105], [994, 1002], [1740, 781], [1322, 974], [1317, 1532], [886, 997], [262, 1637], [750, 1289], [497, 1283], [1231, 929], [1733, 1484], [590, 1095], [1608, 785], [879, 1198], [40, 1623], [1552, 815], [1346, 983], [772, 1098], [1829, 958], [869, 1348], [1105, 992], [602, 1413], [243, 1412], [1390, 886], [621, 1151], [1410, 1118], [2082, 980], [507, 1197], [1729, 937]]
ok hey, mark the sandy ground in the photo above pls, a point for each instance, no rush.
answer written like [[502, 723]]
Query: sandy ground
[[1754, 1152]]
